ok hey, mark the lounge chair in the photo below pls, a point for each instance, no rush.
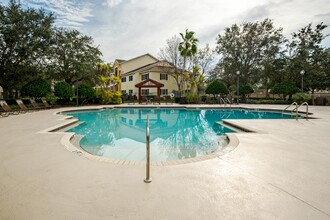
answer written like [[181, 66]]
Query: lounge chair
[[48, 106], [22, 106], [35, 105], [9, 110]]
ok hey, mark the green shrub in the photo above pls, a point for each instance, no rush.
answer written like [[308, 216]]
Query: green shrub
[[86, 93], [108, 97], [245, 90], [301, 97], [216, 87], [37, 88], [284, 88], [63, 90], [51, 99], [191, 98]]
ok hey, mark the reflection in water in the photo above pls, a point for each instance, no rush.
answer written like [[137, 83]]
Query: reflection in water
[[175, 133]]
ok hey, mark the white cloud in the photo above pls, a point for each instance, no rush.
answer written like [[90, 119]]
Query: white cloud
[[112, 3], [128, 28], [68, 13]]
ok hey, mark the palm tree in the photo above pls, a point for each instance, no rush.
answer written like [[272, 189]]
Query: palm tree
[[188, 47]]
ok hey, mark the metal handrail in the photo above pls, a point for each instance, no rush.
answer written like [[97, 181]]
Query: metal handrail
[[228, 101], [305, 103], [148, 179], [223, 101], [296, 108]]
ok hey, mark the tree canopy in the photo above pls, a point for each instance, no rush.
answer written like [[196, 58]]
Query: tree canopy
[[216, 87], [26, 36]]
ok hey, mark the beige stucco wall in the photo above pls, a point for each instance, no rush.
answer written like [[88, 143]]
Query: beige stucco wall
[[169, 84], [136, 63]]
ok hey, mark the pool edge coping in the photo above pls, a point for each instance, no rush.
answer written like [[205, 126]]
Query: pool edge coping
[[233, 140]]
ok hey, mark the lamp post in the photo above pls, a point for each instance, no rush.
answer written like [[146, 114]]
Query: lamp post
[[302, 72], [238, 73], [77, 99]]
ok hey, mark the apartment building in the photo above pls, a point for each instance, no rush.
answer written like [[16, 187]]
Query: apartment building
[[141, 68]]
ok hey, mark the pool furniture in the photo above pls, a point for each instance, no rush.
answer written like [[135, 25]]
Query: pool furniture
[[35, 105], [9, 110], [48, 106], [22, 106], [169, 100]]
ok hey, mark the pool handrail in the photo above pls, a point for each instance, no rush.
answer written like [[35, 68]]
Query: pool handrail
[[295, 109], [148, 179], [304, 103], [228, 101]]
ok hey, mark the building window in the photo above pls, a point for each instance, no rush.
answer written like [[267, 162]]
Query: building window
[[130, 91], [145, 77], [163, 76], [123, 79], [163, 91], [123, 91], [145, 91], [130, 78]]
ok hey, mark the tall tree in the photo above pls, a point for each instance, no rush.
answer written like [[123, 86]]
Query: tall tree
[[74, 57], [309, 55], [203, 59], [25, 39], [171, 54], [247, 47], [188, 46]]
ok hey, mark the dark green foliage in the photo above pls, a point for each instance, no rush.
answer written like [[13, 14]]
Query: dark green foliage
[[25, 41], [301, 97], [247, 47], [74, 57], [86, 93], [63, 90], [216, 87], [284, 88], [37, 88], [245, 89]]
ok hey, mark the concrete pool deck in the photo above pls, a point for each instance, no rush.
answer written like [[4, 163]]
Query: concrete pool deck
[[282, 171]]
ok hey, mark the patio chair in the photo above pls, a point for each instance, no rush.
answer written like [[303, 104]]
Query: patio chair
[[131, 100], [169, 100], [48, 106], [22, 106], [35, 105], [9, 110]]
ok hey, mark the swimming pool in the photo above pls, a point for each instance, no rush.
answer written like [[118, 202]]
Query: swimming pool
[[175, 134]]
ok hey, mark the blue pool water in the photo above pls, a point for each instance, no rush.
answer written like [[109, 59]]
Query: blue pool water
[[174, 133]]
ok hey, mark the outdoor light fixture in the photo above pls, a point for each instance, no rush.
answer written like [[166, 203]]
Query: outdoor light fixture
[[302, 72], [238, 73]]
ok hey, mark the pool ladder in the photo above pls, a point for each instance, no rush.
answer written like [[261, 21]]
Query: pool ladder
[[296, 109], [148, 178], [225, 101]]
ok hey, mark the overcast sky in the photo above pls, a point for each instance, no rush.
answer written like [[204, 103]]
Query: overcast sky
[[127, 28]]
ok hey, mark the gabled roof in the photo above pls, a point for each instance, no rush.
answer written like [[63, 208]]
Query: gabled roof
[[149, 83], [147, 54], [119, 60], [154, 67]]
